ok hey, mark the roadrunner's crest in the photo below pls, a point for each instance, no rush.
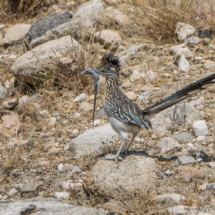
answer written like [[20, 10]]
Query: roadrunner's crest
[[110, 62]]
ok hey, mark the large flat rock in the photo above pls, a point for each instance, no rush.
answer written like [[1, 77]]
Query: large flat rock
[[135, 174], [46, 206], [53, 56], [84, 20], [94, 140]]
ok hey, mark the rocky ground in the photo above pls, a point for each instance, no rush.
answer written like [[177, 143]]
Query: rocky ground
[[50, 154]]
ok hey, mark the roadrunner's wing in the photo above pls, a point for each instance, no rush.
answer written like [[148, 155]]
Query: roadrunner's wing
[[125, 110], [180, 95]]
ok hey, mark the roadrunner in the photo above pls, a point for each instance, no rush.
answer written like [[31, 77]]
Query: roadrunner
[[124, 115]]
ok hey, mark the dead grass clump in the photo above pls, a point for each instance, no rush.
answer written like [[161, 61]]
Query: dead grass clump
[[151, 77], [28, 109], [9, 159], [160, 16], [26, 7]]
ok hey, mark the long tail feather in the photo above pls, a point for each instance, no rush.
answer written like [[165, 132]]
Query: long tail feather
[[180, 95]]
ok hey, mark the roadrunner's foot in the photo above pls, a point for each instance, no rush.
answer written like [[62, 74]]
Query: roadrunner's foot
[[126, 152], [115, 158]]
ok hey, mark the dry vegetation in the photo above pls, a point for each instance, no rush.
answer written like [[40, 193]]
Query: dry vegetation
[[161, 16], [158, 19]]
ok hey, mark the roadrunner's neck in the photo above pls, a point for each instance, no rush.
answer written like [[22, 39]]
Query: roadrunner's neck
[[111, 87]]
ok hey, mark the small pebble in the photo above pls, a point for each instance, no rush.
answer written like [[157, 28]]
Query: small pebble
[[60, 168]]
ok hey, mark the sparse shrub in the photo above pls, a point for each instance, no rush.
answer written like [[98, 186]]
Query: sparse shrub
[[161, 16], [28, 7]]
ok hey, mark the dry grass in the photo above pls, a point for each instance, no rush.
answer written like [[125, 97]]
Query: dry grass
[[26, 7], [160, 16]]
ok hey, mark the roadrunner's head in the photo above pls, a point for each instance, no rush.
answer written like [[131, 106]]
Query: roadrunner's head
[[109, 66]]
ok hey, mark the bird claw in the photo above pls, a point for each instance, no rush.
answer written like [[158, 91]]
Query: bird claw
[[116, 159], [126, 152]]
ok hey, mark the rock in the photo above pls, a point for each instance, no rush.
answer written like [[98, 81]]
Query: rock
[[44, 113], [134, 76], [184, 30], [198, 102], [19, 186], [178, 52], [194, 40], [16, 33], [62, 195], [30, 187], [3, 92], [168, 144], [75, 133], [185, 159], [60, 167], [9, 105], [54, 150], [167, 75], [131, 95], [188, 173], [62, 186], [118, 181], [168, 172], [75, 170], [23, 99], [57, 53], [83, 22], [108, 38], [114, 16], [12, 192], [35, 98], [143, 96], [96, 122], [17, 172], [210, 186], [168, 199], [178, 210], [173, 48], [79, 98], [198, 59], [67, 186], [147, 87], [200, 128], [84, 145], [48, 206], [10, 124], [209, 64], [183, 138], [86, 107], [47, 23], [183, 65], [126, 85], [162, 122], [52, 121], [212, 164], [200, 138]]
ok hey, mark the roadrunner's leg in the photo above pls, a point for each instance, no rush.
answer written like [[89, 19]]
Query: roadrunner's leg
[[116, 157], [126, 150]]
